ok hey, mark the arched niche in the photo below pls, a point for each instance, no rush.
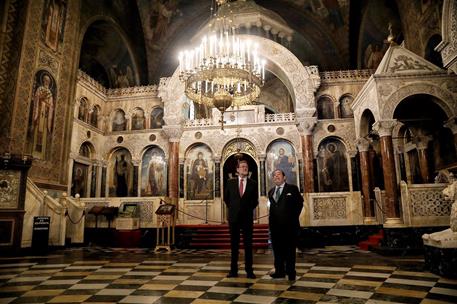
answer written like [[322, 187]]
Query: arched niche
[[300, 81]]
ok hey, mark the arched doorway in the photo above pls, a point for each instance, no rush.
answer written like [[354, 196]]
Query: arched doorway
[[229, 171]]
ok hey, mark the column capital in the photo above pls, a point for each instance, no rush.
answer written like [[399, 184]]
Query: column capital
[[363, 144], [451, 124], [384, 127], [173, 133], [422, 142], [306, 125], [136, 162]]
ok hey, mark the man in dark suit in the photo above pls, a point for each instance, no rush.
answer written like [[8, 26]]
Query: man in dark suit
[[286, 204], [241, 195]]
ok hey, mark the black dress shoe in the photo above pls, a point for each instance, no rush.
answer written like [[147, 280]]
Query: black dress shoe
[[275, 275], [250, 275], [292, 277], [232, 275]]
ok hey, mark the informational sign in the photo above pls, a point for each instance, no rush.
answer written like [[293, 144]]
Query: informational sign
[[40, 236]]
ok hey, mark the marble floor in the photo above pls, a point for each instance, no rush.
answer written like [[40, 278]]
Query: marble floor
[[340, 274]]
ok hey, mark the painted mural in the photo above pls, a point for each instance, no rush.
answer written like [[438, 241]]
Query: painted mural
[[157, 118], [345, 106], [42, 111], [138, 119], [120, 170], [154, 173], [281, 155], [332, 166], [53, 23], [200, 173], [79, 179], [325, 108], [380, 18], [119, 121]]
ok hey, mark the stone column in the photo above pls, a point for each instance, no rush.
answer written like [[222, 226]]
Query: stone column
[[217, 177], [306, 126], [391, 204], [263, 191], [136, 185], [368, 209], [103, 192], [174, 135], [93, 181]]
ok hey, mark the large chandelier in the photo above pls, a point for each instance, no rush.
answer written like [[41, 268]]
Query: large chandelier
[[225, 69]]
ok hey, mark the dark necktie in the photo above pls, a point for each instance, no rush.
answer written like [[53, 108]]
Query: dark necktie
[[241, 186], [277, 193]]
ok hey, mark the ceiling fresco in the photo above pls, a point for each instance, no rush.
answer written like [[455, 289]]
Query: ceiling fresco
[[332, 34]]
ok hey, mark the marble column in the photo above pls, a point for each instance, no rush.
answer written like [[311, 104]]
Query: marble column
[[217, 178], [174, 133], [263, 191], [306, 127], [136, 184], [391, 203], [103, 191], [363, 146], [93, 181]]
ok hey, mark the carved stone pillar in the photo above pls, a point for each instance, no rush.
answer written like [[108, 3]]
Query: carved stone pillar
[[368, 209], [391, 204], [263, 190], [93, 181], [306, 126], [136, 165], [217, 177], [103, 189], [174, 135]]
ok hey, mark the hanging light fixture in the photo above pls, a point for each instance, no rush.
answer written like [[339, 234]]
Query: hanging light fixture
[[225, 69]]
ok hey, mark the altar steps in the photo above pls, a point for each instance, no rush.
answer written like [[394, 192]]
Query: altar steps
[[218, 236]]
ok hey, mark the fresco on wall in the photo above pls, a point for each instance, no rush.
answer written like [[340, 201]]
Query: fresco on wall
[[379, 19], [120, 169], [345, 107], [157, 118], [138, 119], [79, 179], [200, 173], [53, 23], [121, 75], [281, 155], [325, 108], [332, 166], [41, 119], [93, 119], [119, 121], [154, 173], [82, 112]]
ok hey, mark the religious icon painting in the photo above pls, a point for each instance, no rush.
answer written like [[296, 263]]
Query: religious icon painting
[[41, 119], [281, 155], [332, 166], [120, 170], [53, 23], [153, 172], [79, 180], [199, 173]]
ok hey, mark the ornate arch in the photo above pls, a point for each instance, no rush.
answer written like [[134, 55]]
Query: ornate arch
[[301, 81], [448, 47], [236, 145], [445, 98]]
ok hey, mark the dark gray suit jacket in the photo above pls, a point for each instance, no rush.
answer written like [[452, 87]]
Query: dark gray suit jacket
[[284, 214], [241, 208]]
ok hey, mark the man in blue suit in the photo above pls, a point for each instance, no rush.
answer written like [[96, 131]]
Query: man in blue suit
[[286, 204], [241, 195]]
